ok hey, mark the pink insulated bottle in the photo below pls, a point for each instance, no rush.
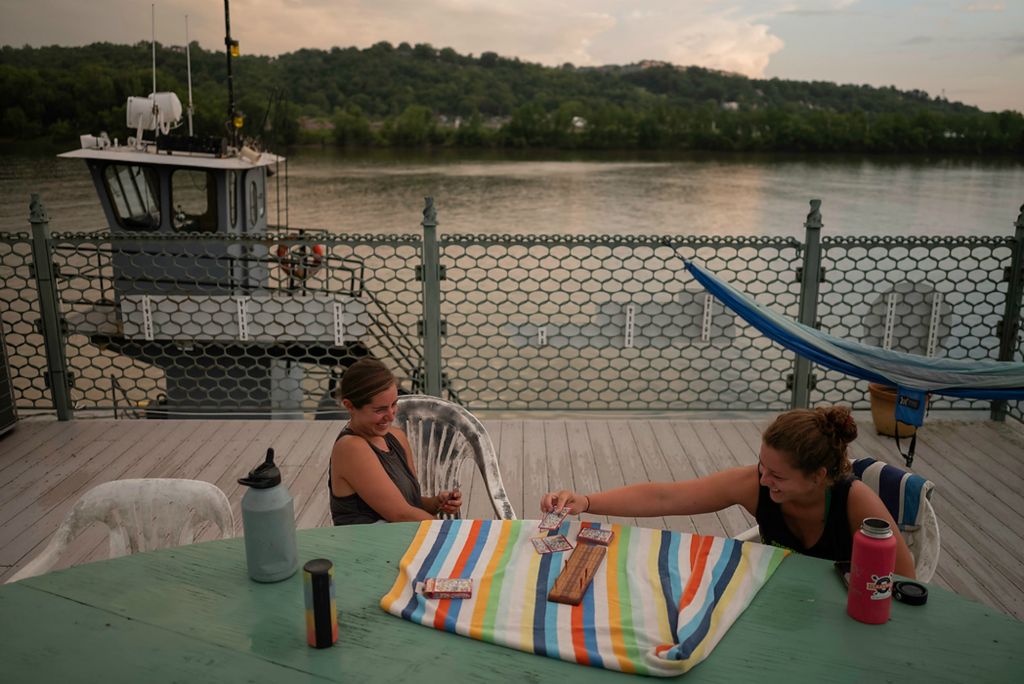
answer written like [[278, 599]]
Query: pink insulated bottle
[[874, 560]]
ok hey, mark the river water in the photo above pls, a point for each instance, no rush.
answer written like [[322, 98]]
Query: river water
[[382, 192]]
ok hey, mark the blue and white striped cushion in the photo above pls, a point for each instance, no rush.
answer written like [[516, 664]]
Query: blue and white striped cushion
[[903, 493]]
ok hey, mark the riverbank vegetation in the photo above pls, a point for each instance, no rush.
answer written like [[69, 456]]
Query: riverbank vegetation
[[414, 96]]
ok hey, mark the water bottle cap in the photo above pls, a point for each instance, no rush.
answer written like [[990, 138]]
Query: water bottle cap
[[876, 528], [911, 593], [263, 476]]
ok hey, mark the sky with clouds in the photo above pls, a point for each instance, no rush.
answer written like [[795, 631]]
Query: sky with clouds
[[969, 50]]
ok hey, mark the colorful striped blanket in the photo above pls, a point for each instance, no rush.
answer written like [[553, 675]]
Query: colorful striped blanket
[[658, 605]]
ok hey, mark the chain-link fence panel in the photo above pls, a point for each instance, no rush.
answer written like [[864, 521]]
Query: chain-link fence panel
[[19, 314], [934, 297], [196, 325], [547, 322], [256, 326]]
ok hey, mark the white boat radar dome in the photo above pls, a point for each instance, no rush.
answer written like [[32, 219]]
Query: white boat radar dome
[[158, 111]]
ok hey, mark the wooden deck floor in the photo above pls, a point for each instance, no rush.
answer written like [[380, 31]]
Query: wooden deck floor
[[977, 467]]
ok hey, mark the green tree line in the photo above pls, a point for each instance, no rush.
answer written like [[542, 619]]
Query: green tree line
[[411, 96]]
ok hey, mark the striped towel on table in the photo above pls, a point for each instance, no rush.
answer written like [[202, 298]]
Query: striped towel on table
[[658, 605]]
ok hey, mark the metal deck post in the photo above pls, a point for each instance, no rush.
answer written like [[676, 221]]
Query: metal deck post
[[431, 300], [49, 308], [1009, 326], [809, 278]]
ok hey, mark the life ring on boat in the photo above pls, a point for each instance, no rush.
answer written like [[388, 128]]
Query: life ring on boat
[[299, 261]]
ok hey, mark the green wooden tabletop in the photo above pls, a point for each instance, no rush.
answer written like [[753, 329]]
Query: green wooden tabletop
[[191, 614]]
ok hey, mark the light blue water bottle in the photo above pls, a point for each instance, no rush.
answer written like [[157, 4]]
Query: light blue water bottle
[[268, 521]]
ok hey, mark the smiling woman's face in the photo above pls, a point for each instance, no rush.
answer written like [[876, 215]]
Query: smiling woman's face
[[376, 416], [784, 482]]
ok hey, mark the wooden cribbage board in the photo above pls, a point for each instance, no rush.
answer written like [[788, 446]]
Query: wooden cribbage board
[[579, 570]]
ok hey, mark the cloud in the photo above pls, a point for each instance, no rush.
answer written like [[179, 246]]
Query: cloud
[[919, 40], [826, 8], [732, 37], [983, 7], [583, 32], [700, 33], [1016, 45]]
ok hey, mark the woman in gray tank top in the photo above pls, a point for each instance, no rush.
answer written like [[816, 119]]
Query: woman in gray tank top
[[372, 477]]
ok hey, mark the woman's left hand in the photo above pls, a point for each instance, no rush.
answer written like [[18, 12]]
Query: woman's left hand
[[449, 501]]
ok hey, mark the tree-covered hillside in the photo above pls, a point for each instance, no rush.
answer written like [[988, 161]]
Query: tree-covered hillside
[[417, 95]]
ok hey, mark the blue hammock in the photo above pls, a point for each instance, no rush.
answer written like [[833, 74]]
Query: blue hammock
[[913, 376]]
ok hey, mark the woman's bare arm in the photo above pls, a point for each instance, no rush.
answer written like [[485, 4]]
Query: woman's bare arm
[[864, 503], [688, 497]]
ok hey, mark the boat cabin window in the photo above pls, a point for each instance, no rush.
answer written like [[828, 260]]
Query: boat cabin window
[[257, 204], [134, 192], [194, 198]]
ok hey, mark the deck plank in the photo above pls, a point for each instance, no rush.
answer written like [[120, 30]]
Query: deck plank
[[535, 468], [607, 463], [657, 470], [670, 438], [510, 454], [559, 465], [636, 465], [977, 466], [585, 476]]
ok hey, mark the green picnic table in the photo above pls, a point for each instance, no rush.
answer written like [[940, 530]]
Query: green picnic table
[[190, 614]]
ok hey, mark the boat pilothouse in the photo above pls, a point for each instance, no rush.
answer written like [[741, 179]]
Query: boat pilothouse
[[177, 186], [199, 286]]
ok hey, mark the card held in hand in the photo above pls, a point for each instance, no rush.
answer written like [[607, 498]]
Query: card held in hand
[[553, 520]]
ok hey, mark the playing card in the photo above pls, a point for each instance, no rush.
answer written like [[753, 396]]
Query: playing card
[[593, 535], [553, 519], [540, 545], [558, 543]]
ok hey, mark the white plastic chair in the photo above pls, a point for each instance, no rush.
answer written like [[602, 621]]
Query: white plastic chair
[[922, 539], [141, 515], [442, 435]]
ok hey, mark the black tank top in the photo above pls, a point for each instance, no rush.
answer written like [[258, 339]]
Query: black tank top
[[836, 542], [351, 509]]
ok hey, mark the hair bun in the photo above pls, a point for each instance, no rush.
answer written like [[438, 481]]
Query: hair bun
[[839, 424]]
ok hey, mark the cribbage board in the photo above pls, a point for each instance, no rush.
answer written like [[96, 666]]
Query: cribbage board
[[579, 570]]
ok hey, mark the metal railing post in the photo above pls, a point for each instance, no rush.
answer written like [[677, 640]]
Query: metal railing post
[[431, 300], [49, 308], [810, 276], [1009, 326]]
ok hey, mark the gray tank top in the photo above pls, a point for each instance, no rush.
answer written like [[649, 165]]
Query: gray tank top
[[351, 509]]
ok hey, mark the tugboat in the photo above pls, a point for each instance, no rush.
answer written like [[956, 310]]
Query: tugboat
[[197, 285]]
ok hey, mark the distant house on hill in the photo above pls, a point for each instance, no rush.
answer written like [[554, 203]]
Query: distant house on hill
[[309, 123]]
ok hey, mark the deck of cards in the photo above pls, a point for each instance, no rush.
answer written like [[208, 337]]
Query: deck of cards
[[593, 535], [446, 588], [551, 544], [553, 520]]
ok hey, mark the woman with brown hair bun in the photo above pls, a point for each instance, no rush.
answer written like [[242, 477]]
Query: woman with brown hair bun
[[801, 491], [372, 476]]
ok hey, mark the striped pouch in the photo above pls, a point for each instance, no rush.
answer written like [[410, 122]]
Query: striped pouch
[[680, 595]]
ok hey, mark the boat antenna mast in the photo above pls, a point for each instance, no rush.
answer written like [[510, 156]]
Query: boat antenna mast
[[231, 49], [152, 43], [188, 67]]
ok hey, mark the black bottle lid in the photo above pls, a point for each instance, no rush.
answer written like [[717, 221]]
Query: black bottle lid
[[911, 593], [263, 476]]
